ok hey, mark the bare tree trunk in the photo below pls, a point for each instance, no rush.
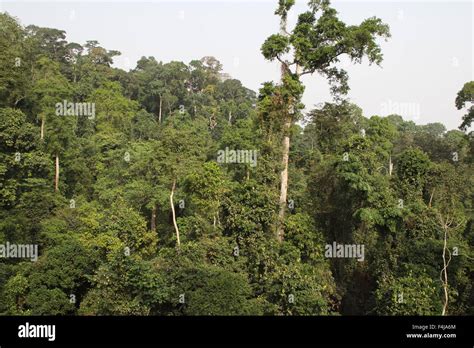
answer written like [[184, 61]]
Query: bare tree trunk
[[153, 219], [159, 112], [42, 128], [174, 213], [285, 154], [445, 271], [17, 101], [283, 182], [390, 166], [431, 198], [230, 117], [56, 177]]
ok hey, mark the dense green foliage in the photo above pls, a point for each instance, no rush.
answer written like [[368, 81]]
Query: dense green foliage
[[143, 171]]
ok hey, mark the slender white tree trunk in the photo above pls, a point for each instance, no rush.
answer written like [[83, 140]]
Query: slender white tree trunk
[[431, 198], [42, 128], [445, 271], [153, 219], [56, 177], [390, 166], [174, 213], [159, 112]]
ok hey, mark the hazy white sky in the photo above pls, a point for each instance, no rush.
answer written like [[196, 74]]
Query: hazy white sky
[[427, 60]]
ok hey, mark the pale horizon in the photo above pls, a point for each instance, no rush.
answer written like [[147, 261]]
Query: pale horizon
[[425, 63]]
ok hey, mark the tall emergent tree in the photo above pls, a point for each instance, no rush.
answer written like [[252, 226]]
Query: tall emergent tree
[[315, 45]]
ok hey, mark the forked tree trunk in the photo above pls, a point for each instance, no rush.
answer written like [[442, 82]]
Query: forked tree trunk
[[56, 177], [174, 213], [445, 271]]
